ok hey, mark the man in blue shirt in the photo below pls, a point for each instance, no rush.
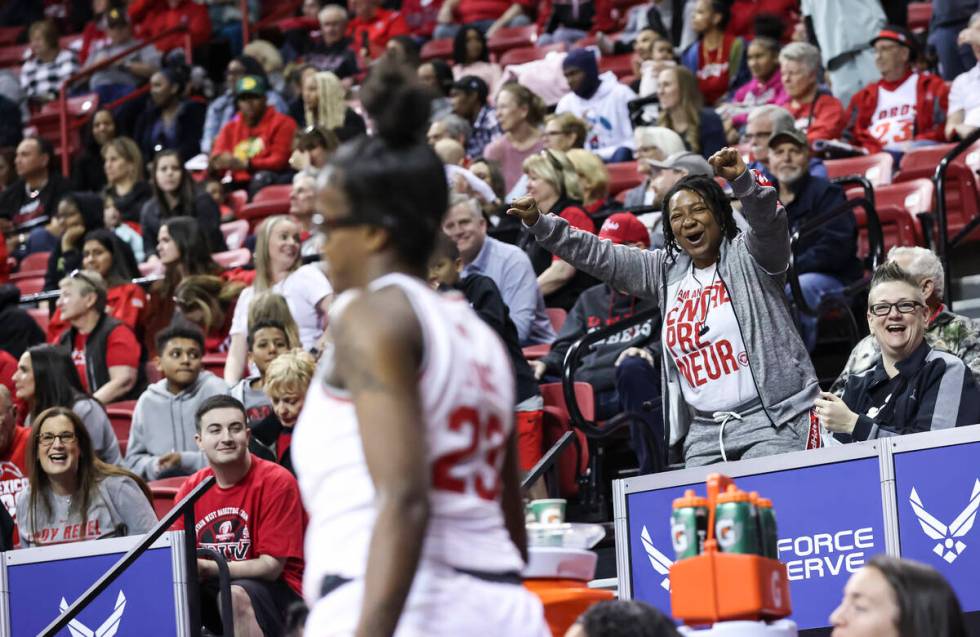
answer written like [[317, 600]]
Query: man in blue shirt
[[508, 266], [826, 260]]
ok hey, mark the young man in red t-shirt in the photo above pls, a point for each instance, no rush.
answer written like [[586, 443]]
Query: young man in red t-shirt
[[253, 516], [104, 350], [13, 444]]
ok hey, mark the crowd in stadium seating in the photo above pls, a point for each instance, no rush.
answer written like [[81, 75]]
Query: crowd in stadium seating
[[197, 168]]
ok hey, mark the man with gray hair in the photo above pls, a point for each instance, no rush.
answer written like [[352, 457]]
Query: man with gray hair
[[762, 123], [449, 126], [953, 333], [817, 113], [508, 266], [335, 51]]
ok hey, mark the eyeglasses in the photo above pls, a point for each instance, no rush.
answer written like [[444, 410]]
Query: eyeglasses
[[47, 439], [904, 307]]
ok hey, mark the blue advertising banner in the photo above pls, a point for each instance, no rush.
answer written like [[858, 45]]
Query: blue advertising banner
[[830, 523], [938, 494], [140, 602]]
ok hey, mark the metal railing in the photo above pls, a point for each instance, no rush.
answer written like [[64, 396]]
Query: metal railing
[[94, 68], [184, 508], [944, 243]]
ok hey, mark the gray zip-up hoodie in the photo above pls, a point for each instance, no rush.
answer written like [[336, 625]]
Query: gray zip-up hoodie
[[753, 267], [164, 422]]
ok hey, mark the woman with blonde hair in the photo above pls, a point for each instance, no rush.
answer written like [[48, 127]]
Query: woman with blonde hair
[[520, 114], [277, 255], [125, 178], [72, 495], [208, 301], [325, 105], [552, 181], [681, 111], [286, 380], [594, 179]]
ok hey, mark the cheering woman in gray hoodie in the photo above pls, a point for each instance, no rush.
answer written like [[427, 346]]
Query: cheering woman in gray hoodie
[[738, 380]]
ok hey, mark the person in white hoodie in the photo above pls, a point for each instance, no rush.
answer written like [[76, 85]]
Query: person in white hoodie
[[603, 102], [161, 440]]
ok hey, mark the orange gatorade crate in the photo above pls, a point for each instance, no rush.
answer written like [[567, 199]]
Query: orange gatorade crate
[[716, 586]]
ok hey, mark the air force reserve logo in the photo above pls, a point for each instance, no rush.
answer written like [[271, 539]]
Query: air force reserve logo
[[660, 562], [108, 628], [948, 545]]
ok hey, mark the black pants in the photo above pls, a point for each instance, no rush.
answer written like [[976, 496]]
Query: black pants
[[269, 603]]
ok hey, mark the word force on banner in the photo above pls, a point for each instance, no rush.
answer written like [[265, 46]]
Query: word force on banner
[[825, 554]]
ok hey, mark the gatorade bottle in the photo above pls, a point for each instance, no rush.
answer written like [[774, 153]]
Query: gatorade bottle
[[767, 528], [689, 525], [735, 523]]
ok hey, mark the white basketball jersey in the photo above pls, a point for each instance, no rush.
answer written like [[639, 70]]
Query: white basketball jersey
[[893, 120], [467, 395]]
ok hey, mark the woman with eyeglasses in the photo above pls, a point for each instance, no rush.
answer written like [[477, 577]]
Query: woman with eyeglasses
[[108, 255], [911, 387], [554, 184], [45, 378], [72, 495]]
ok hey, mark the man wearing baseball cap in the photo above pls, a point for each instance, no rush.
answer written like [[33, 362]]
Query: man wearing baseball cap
[[255, 144], [124, 76], [902, 109], [622, 369], [827, 260], [469, 99]]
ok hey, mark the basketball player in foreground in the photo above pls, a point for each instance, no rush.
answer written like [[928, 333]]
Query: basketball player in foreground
[[405, 450]]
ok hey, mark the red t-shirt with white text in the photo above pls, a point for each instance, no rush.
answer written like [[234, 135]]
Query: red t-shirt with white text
[[261, 515]]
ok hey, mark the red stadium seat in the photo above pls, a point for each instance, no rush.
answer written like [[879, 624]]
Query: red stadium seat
[[235, 233], [875, 168], [30, 285], [556, 423], [276, 192], [442, 48], [215, 363], [621, 65], [9, 35], [164, 493], [121, 419], [526, 54], [34, 264], [511, 38], [254, 212], [623, 176], [899, 206], [237, 200], [12, 55], [557, 317], [233, 258], [961, 181], [41, 316], [919, 15]]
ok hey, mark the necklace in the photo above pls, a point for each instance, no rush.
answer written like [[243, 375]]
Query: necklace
[[702, 326]]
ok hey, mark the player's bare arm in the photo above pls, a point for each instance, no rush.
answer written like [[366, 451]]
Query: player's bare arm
[[379, 345]]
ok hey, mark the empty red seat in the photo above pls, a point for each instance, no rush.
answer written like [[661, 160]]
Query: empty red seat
[[235, 233], [557, 422], [919, 15], [41, 316], [29, 285], [961, 181], [9, 35], [511, 38], [255, 212], [34, 264], [441, 48], [275, 192], [621, 65], [215, 363], [524, 54], [121, 418], [237, 258], [12, 55], [165, 493], [875, 168], [623, 176]]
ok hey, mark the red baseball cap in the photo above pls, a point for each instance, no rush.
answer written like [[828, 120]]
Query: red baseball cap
[[624, 227]]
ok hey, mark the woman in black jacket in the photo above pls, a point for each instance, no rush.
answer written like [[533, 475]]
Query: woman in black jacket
[[170, 120], [175, 195]]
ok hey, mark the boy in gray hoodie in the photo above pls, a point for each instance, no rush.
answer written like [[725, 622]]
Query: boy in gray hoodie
[[161, 441]]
